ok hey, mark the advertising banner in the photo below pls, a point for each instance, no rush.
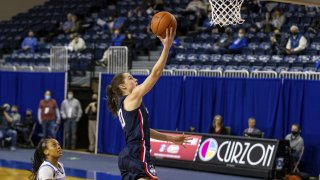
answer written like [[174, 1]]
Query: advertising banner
[[237, 152], [168, 150]]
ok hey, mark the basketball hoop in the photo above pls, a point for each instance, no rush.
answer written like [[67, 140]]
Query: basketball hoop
[[226, 12]]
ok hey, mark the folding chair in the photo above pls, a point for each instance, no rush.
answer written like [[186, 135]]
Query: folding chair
[[228, 129]]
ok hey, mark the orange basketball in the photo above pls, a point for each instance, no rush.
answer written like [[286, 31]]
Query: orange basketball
[[161, 21]]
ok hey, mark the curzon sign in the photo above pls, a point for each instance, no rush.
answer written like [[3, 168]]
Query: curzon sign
[[237, 152]]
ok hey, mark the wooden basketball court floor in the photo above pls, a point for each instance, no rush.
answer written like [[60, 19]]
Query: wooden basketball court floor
[[79, 166]]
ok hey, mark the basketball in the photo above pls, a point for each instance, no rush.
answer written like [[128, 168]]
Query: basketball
[[161, 21]]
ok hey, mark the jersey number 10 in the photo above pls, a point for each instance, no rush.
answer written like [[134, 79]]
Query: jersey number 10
[[121, 119]]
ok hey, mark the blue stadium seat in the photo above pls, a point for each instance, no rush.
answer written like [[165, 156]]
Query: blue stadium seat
[[264, 58], [253, 46], [290, 58], [247, 51], [252, 58], [181, 56], [215, 57], [239, 57], [183, 67], [259, 51], [304, 58], [315, 58], [206, 67], [227, 57], [192, 57], [276, 57]]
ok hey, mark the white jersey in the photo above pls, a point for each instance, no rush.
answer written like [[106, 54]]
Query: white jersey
[[49, 171]]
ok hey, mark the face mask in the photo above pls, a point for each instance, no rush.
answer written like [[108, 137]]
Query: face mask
[[295, 133], [70, 96], [240, 35], [47, 97]]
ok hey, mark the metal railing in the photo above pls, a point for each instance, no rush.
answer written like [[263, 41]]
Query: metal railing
[[167, 72], [233, 74], [185, 72], [59, 58], [117, 59], [210, 73], [263, 74], [236, 73], [313, 75], [140, 71], [292, 75]]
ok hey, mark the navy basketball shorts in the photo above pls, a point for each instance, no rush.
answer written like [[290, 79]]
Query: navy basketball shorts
[[133, 163]]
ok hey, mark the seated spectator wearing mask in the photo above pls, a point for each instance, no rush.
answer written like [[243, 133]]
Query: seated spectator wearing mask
[[297, 43], [278, 42], [77, 43], [30, 43], [25, 127], [217, 126], [296, 142], [225, 40], [6, 130], [14, 117], [238, 44]]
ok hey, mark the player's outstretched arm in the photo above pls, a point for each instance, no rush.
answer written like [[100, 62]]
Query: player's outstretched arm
[[180, 140], [156, 72]]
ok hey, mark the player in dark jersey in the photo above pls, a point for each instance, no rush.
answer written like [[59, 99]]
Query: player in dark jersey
[[125, 101]]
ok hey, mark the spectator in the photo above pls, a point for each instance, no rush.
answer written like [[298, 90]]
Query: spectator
[[48, 115], [25, 128], [123, 40], [217, 126], [278, 42], [107, 26], [278, 19], [158, 6], [91, 111], [225, 39], [252, 131], [238, 44], [175, 45], [5, 127], [296, 142], [118, 22], [66, 26], [149, 10], [71, 113], [267, 26], [14, 116], [77, 43], [251, 7], [199, 8], [297, 43], [130, 43], [75, 24], [117, 38], [30, 43], [315, 26]]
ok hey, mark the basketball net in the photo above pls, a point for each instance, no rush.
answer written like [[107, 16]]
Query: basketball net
[[226, 12]]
